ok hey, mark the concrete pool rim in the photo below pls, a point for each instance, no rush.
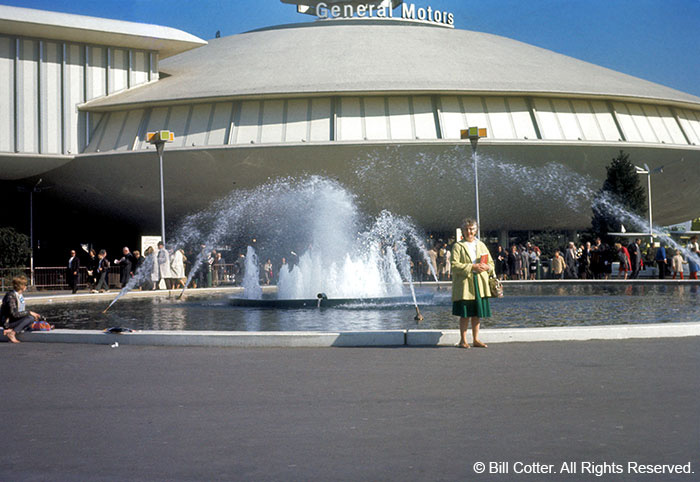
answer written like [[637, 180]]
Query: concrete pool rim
[[368, 338]]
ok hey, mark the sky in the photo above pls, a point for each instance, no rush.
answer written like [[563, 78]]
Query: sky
[[656, 40]]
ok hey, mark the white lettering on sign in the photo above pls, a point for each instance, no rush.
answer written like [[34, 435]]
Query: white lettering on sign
[[408, 12]]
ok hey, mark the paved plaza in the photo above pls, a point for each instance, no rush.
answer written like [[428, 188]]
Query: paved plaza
[[92, 412]]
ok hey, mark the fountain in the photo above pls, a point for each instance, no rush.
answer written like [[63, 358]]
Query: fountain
[[372, 269], [341, 260]]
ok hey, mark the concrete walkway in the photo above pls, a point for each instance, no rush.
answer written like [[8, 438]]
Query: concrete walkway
[[90, 412]]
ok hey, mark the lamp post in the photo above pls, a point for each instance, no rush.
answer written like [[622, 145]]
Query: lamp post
[[31, 190], [649, 172], [474, 134], [159, 139]]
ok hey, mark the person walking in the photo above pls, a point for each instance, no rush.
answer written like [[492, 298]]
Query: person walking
[[693, 257], [152, 262], [661, 260], [597, 259], [219, 269], [635, 253], [534, 259], [525, 263], [433, 255], [163, 262], [514, 263], [677, 263], [584, 262], [14, 317], [72, 271], [448, 263], [623, 258], [558, 266], [102, 272], [570, 260], [126, 266], [177, 269], [267, 272], [441, 262], [501, 263], [92, 273], [471, 265]]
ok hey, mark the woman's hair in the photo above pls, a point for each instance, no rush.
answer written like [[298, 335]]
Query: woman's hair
[[468, 222], [19, 282]]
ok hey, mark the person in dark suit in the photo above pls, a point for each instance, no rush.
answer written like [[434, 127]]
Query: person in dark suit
[[635, 257], [126, 266], [72, 271], [102, 271]]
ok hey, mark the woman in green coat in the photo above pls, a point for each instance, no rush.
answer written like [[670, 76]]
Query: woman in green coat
[[470, 283]]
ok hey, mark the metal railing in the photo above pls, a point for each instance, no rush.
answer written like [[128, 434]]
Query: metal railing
[[53, 278]]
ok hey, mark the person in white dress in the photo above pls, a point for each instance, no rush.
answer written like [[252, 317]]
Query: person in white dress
[[177, 269], [163, 262]]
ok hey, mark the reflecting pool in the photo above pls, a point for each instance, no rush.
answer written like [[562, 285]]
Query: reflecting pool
[[533, 305]]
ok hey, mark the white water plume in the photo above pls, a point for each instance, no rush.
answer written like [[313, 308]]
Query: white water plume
[[319, 219], [554, 182]]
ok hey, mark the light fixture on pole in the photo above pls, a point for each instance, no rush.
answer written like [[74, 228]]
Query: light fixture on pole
[[158, 139], [646, 170], [474, 134], [31, 190]]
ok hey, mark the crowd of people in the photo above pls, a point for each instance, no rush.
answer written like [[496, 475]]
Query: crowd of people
[[166, 269], [170, 269], [587, 261]]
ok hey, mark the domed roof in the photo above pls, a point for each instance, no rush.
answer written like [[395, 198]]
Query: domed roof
[[379, 56]]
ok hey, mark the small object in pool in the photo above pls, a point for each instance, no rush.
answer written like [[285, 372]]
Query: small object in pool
[[118, 330]]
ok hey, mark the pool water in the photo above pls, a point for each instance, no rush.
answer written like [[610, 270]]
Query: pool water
[[533, 305]]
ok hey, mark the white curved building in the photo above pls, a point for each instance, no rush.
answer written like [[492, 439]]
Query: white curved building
[[375, 103]]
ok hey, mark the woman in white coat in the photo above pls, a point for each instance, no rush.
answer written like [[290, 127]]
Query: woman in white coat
[[163, 262], [177, 269]]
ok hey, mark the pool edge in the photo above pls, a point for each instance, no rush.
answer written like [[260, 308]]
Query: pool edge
[[318, 339]]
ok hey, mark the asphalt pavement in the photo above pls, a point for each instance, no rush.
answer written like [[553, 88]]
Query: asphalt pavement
[[92, 412]]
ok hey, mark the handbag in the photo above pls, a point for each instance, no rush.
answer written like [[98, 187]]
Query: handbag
[[496, 287]]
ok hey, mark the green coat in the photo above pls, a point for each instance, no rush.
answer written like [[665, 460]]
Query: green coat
[[462, 275]]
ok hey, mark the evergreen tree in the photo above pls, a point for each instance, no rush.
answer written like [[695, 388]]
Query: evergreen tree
[[621, 193], [14, 248]]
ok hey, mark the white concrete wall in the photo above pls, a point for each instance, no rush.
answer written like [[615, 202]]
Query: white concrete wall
[[399, 118], [7, 94], [43, 81]]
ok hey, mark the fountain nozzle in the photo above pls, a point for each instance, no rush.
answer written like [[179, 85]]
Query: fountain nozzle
[[321, 297], [418, 316]]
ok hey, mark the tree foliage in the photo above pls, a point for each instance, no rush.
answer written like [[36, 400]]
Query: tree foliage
[[622, 194], [14, 248], [548, 241]]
